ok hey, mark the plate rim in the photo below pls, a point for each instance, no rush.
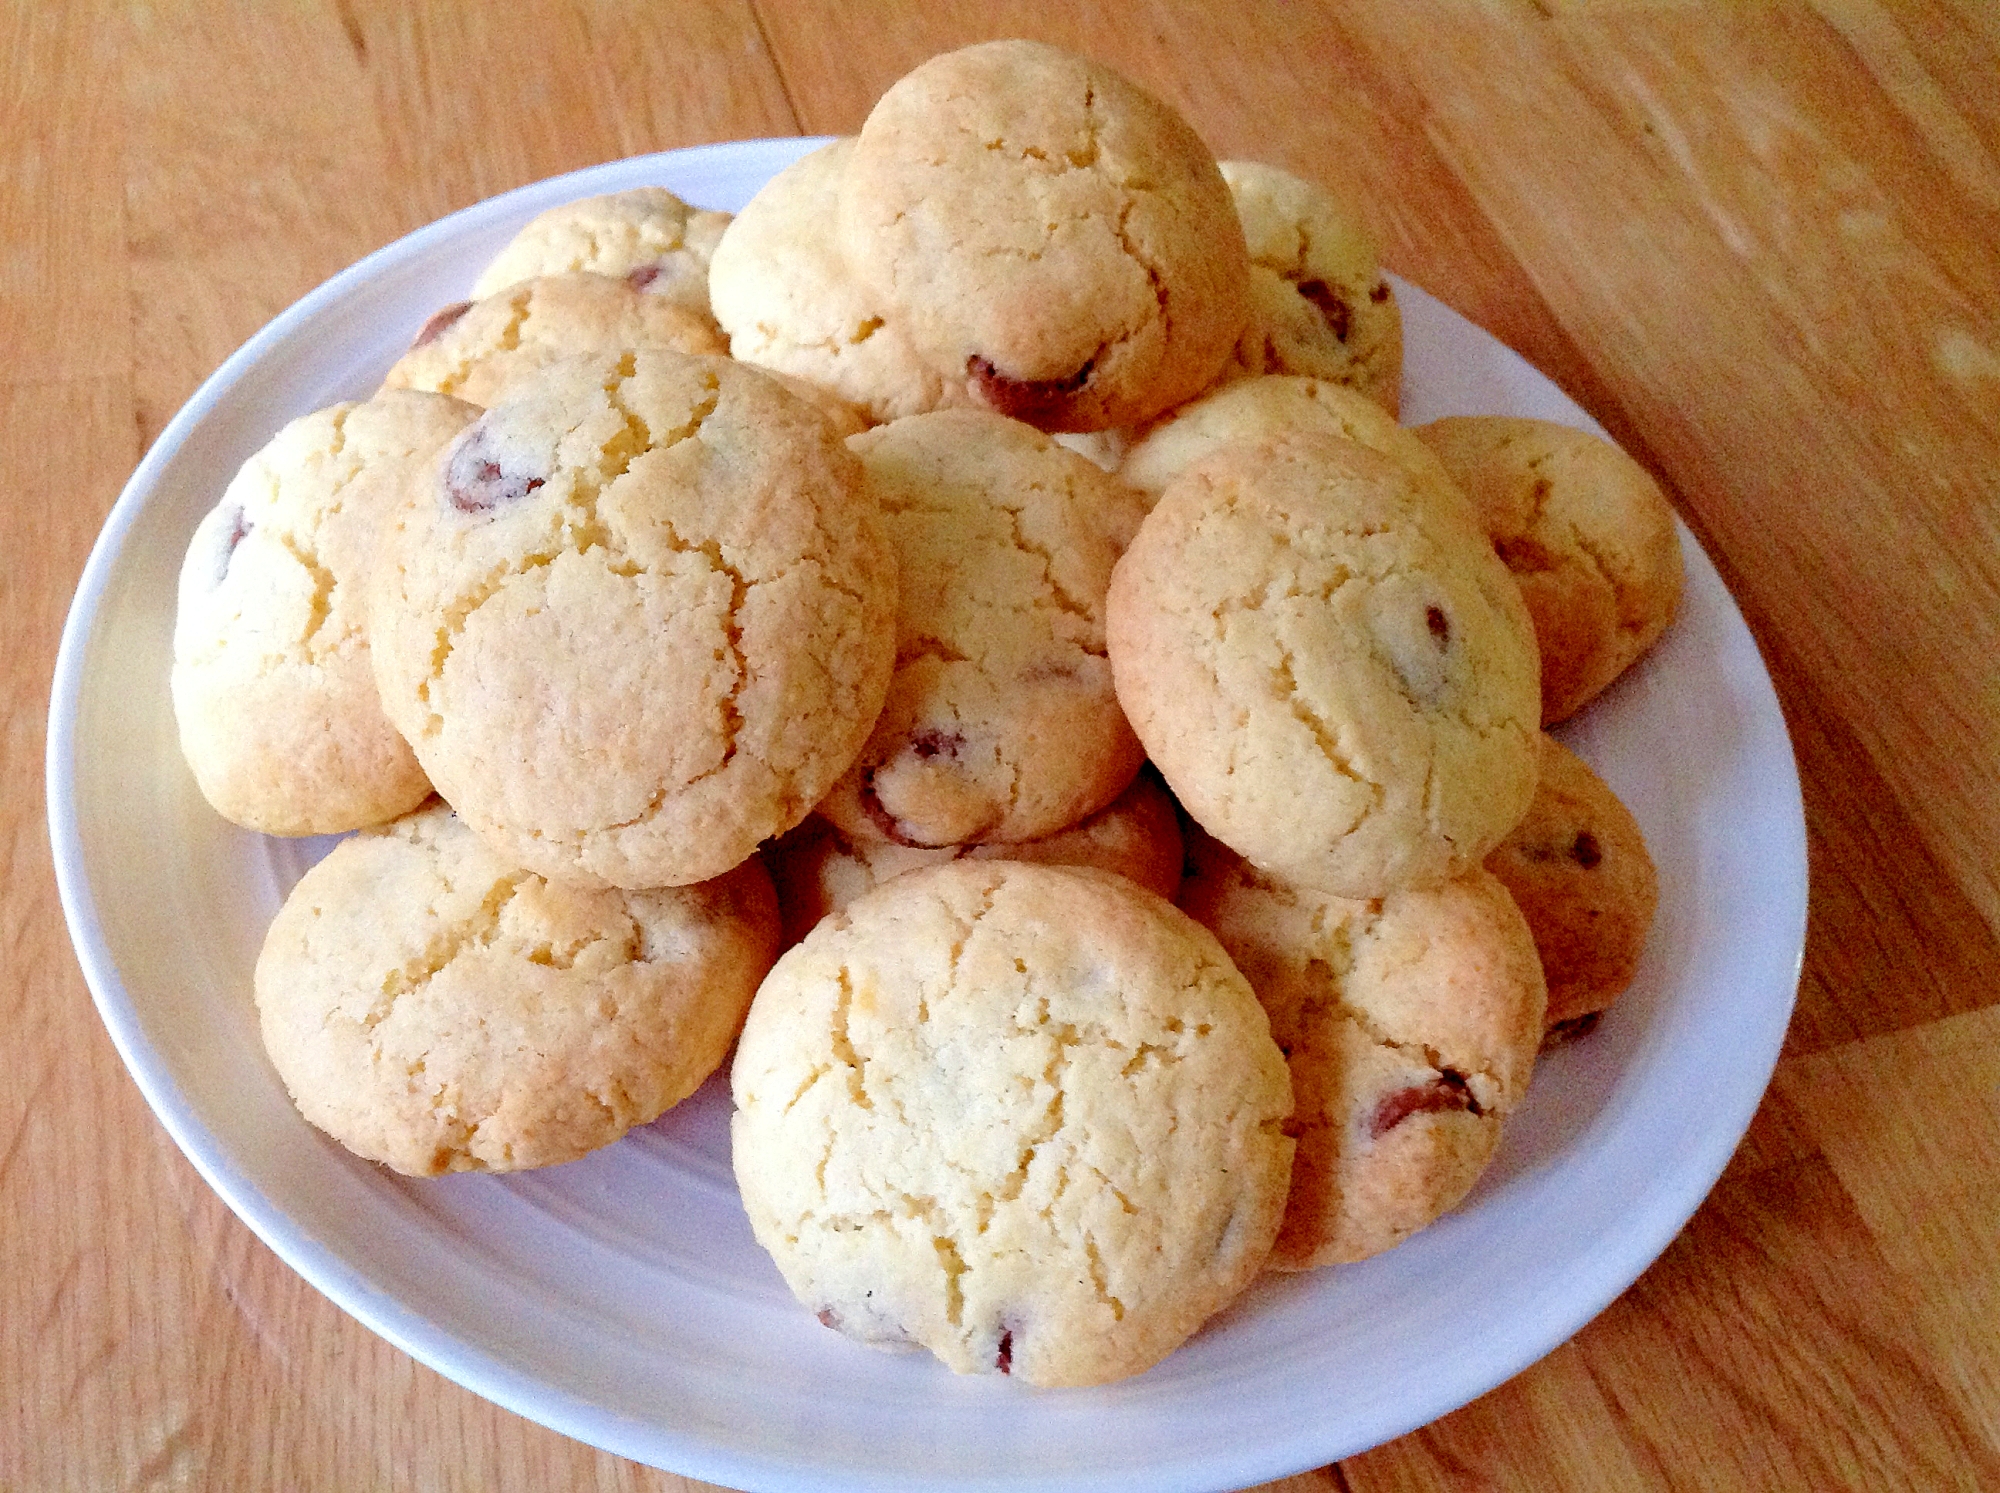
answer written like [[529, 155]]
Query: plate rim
[[516, 1389]]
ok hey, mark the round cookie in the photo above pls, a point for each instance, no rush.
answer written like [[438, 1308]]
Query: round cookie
[[1051, 237], [1410, 1023], [783, 292], [1258, 409], [640, 618], [1319, 304], [434, 1009], [647, 236], [1333, 672], [1027, 1117], [1588, 535], [1001, 722], [478, 350], [273, 691], [818, 870], [1578, 867]]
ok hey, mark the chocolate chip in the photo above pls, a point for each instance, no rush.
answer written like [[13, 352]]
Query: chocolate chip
[[1523, 553], [1332, 308], [433, 329], [478, 480], [1380, 293], [643, 276], [1005, 1361], [1441, 1095], [1040, 401], [1440, 626], [929, 744], [1586, 852]]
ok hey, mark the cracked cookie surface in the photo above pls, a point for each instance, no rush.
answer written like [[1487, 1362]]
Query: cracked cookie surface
[[1028, 1117], [818, 870], [434, 1009], [786, 296], [1050, 236], [639, 618], [1265, 408], [1586, 532], [1577, 866], [647, 236], [1329, 666], [1410, 1023], [274, 695], [1319, 303], [1001, 722], [479, 350]]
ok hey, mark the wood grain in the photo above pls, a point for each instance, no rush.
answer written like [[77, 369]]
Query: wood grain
[[1757, 241], [1910, 1125], [62, 271], [1789, 1342]]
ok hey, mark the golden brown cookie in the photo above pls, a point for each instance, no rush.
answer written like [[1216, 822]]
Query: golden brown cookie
[[1578, 867], [273, 691], [1588, 535], [1331, 669], [434, 1009], [478, 350], [1051, 237], [646, 236], [1001, 722], [1259, 409], [641, 618], [1411, 1024], [1027, 1117], [1319, 304], [818, 870], [784, 293]]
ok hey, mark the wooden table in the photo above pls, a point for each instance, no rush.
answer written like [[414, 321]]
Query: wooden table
[[1757, 241]]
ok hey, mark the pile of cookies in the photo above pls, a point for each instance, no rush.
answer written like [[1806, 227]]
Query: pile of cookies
[[971, 632]]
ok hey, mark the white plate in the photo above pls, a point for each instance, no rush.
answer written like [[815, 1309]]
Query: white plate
[[621, 1299]]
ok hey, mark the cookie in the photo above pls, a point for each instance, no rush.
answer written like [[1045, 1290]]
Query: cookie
[[1319, 304], [1578, 867], [841, 417], [1333, 672], [1588, 535], [273, 691], [1410, 1023], [1001, 722], [640, 618], [1027, 1117], [478, 350], [647, 236], [818, 870], [1255, 409], [436, 1010], [1051, 237], [783, 292]]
